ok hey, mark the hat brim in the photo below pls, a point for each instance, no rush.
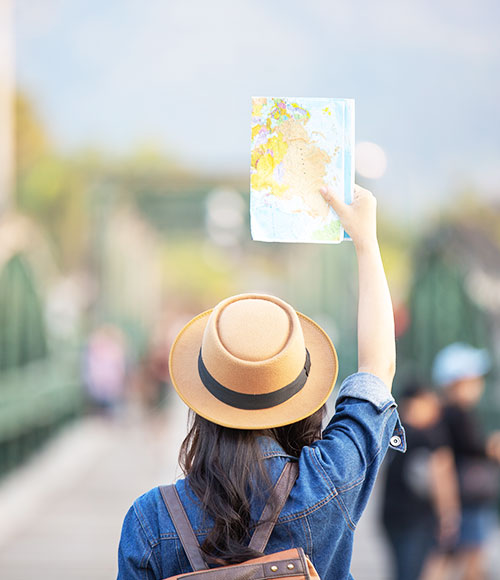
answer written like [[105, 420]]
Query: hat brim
[[183, 363]]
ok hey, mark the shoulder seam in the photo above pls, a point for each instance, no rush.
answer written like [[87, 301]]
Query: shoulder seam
[[145, 528]]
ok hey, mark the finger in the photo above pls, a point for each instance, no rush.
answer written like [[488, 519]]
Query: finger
[[359, 189], [331, 199], [361, 192]]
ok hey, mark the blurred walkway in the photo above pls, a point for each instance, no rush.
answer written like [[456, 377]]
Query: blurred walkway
[[61, 515]]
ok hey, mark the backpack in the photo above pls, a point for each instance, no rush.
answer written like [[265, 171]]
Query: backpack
[[285, 565]]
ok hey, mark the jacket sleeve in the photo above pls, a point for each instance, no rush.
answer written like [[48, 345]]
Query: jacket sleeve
[[354, 443], [135, 555]]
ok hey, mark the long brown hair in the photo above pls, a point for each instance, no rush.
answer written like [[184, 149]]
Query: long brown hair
[[223, 466]]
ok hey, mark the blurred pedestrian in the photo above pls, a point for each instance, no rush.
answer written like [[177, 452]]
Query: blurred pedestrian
[[257, 375], [459, 370], [148, 385], [420, 505], [105, 368]]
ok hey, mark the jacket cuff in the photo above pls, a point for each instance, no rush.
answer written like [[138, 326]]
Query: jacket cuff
[[371, 388]]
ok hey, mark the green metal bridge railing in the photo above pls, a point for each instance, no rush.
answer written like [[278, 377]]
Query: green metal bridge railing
[[35, 401]]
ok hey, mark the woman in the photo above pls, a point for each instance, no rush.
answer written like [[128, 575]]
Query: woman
[[257, 376]]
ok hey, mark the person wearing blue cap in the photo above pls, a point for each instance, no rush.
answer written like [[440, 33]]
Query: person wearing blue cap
[[459, 371]]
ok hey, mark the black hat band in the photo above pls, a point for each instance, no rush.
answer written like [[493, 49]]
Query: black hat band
[[253, 402]]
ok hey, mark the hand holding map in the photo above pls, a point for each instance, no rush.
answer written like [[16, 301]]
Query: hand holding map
[[359, 217], [298, 146]]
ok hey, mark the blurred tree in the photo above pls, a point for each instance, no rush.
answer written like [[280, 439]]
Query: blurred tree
[[472, 209], [31, 141], [49, 188], [396, 244], [454, 297], [200, 272], [441, 311]]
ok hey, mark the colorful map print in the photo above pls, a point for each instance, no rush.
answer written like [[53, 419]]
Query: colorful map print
[[298, 146]]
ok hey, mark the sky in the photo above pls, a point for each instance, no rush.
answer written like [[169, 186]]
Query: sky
[[180, 74]]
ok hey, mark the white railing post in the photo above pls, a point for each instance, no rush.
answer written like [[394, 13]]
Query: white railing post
[[6, 104]]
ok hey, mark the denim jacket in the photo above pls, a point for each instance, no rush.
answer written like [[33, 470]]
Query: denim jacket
[[336, 476]]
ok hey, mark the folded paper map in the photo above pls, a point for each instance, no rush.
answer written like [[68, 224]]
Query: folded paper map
[[298, 146]]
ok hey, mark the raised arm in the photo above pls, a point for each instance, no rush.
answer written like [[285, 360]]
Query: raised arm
[[376, 341]]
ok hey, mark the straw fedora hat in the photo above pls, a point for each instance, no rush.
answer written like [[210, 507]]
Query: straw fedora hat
[[253, 362]]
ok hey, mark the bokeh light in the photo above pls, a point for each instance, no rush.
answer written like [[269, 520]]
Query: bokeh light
[[371, 160]]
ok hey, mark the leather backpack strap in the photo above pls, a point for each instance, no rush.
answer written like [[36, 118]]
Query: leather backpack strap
[[183, 527], [272, 510]]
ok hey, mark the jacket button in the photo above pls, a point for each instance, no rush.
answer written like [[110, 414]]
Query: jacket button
[[395, 441]]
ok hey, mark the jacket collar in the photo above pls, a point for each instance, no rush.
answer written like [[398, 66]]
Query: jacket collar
[[271, 448]]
